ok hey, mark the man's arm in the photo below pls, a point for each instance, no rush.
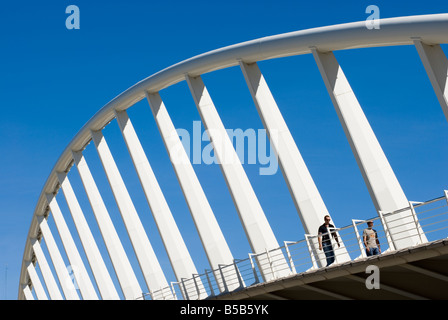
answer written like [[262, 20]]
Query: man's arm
[[320, 240], [335, 236], [377, 241], [319, 237], [364, 239]]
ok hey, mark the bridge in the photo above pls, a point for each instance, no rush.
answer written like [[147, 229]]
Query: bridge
[[412, 234]]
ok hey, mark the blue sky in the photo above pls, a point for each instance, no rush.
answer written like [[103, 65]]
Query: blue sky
[[54, 80]]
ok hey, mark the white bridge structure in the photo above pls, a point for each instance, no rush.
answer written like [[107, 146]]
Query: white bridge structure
[[402, 224]]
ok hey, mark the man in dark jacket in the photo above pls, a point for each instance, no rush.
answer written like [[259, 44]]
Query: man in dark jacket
[[325, 240]]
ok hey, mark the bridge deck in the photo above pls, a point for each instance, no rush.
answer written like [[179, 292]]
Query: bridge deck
[[420, 272]]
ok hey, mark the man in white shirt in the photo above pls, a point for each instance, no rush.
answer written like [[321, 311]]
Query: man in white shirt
[[370, 239]]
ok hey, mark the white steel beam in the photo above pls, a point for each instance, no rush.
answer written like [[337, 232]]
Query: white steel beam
[[62, 273], [86, 287], [27, 292], [149, 264], [177, 251], [307, 199], [49, 280], [99, 270], [383, 186], [38, 288], [213, 241], [256, 226], [436, 65], [123, 269]]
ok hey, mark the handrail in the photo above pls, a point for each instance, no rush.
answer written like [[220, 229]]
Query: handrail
[[357, 253]]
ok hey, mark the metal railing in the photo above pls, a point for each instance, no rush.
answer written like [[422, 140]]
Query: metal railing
[[428, 221]]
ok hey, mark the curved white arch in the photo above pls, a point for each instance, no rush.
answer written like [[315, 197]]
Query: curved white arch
[[429, 29]]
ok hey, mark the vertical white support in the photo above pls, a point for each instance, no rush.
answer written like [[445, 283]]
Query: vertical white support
[[378, 175], [240, 279], [307, 199], [387, 232], [358, 237], [224, 280], [288, 252], [64, 278], [420, 232], [173, 290], [254, 270], [40, 292], [268, 257], [27, 292], [77, 265], [99, 269], [210, 233], [49, 280], [149, 264], [209, 283], [256, 226], [436, 65], [311, 251], [123, 269], [178, 254]]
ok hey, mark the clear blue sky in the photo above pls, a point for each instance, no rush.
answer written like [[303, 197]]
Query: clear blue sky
[[53, 80]]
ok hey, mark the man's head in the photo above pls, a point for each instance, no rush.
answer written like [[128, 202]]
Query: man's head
[[327, 219], [370, 223]]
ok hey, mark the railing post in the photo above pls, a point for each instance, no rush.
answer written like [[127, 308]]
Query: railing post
[[361, 248], [226, 289], [185, 293], [209, 282], [173, 290], [161, 293], [240, 280], [310, 249], [257, 280], [291, 262], [170, 293], [414, 216], [386, 231], [270, 263], [196, 285]]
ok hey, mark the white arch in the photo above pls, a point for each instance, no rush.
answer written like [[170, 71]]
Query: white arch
[[428, 29]]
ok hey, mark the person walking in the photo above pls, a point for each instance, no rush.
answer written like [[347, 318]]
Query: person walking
[[370, 239], [325, 240]]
